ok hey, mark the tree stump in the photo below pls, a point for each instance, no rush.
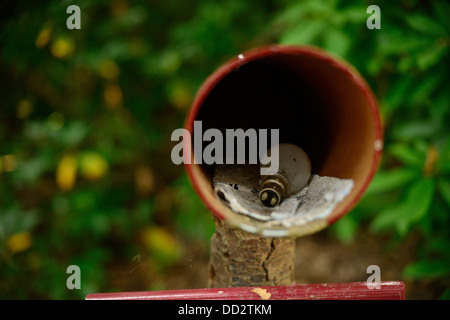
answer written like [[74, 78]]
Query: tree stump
[[239, 259]]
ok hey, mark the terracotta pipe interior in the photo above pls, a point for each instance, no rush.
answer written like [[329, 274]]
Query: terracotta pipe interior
[[317, 102]]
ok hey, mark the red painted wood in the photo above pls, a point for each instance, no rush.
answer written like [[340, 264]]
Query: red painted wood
[[389, 290]]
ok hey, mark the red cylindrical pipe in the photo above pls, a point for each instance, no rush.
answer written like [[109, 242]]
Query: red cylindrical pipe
[[320, 101]]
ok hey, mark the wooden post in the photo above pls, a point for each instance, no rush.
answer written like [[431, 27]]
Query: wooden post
[[239, 258]]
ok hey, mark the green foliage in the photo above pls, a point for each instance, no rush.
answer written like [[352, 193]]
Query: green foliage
[[406, 64], [86, 117]]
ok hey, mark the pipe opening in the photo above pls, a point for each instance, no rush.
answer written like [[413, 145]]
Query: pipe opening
[[316, 102]]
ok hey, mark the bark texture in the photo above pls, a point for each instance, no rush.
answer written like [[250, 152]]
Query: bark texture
[[239, 258]]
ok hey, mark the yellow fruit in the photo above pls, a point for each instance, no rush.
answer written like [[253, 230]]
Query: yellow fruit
[[66, 172], [19, 242], [43, 37], [93, 166], [431, 160], [24, 108], [144, 180], [119, 7], [109, 70], [56, 120], [113, 96], [159, 241], [8, 162], [180, 95], [62, 47]]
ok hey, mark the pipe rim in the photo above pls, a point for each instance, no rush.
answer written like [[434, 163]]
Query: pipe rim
[[220, 210]]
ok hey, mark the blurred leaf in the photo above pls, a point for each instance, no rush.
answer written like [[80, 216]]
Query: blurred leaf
[[345, 229], [337, 42], [15, 220], [414, 206], [412, 130], [117, 49], [31, 170], [427, 269], [406, 154], [397, 93], [439, 245], [132, 17], [442, 11], [418, 201], [443, 162], [406, 63], [445, 295], [73, 133], [376, 202], [193, 219], [421, 92], [398, 43], [425, 25], [431, 56], [389, 180], [297, 12], [292, 14], [144, 211], [355, 14], [388, 218], [444, 189], [169, 62], [303, 33]]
